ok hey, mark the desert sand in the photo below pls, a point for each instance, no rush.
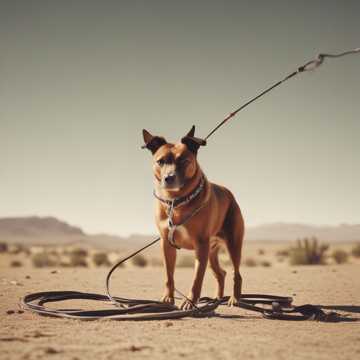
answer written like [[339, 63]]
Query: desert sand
[[232, 333]]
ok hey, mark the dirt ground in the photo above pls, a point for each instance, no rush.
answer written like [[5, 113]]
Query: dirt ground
[[244, 334]]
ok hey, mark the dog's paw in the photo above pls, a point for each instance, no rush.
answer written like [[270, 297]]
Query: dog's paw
[[233, 301], [168, 299], [187, 305]]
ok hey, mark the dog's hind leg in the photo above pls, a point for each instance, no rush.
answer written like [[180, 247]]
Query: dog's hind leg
[[218, 272], [233, 229]]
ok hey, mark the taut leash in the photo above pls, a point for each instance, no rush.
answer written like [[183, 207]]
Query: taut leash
[[310, 65]]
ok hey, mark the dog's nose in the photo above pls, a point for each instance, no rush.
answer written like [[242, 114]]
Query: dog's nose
[[169, 179]]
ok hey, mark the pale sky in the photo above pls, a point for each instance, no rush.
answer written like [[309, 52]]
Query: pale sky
[[79, 80]]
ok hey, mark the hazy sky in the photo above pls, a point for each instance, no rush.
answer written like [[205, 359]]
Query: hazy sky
[[79, 80]]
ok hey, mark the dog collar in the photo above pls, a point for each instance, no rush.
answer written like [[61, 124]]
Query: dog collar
[[183, 199]]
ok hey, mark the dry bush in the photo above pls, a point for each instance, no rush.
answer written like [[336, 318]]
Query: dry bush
[[340, 256], [101, 259], [78, 257], [79, 252], [15, 249], [283, 253], [250, 262], [265, 263], [139, 260], [77, 260], [261, 252], [308, 252], [43, 259], [185, 261], [4, 247], [355, 251], [16, 263]]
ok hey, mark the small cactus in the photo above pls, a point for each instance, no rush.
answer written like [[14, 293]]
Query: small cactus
[[308, 252]]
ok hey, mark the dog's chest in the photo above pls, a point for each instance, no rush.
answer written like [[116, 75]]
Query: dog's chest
[[183, 237]]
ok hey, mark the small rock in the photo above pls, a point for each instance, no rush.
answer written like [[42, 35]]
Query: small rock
[[54, 272], [13, 282], [294, 271], [10, 312], [27, 277], [20, 311], [51, 350], [169, 323]]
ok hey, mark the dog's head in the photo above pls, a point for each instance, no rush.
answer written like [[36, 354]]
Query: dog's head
[[174, 164]]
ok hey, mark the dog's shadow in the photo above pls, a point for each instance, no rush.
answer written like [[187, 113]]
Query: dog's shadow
[[355, 309], [346, 308], [336, 317]]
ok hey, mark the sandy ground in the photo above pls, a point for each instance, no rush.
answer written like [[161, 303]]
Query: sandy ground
[[243, 335]]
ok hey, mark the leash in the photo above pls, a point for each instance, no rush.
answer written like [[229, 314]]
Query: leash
[[272, 306], [309, 66]]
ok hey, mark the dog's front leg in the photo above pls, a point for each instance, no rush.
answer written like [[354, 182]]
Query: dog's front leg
[[201, 259], [169, 257]]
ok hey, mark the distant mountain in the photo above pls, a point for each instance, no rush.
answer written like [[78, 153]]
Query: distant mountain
[[287, 231], [39, 230], [36, 230]]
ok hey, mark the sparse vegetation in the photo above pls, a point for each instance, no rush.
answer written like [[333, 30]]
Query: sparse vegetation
[[16, 263], [139, 260], [355, 251], [185, 261], [4, 247], [43, 259], [283, 253], [265, 263], [78, 260], [340, 256], [250, 262], [101, 259], [261, 252], [308, 252]]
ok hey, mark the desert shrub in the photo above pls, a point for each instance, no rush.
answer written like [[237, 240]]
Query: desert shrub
[[283, 253], [265, 263], [340, 256], [79, 252], [186, 261], [155, 261], [4, 247], [77, 260], [308, 252], [101, 259], [139, 260], [355, 251], [15, 249], [250, 262], [16, 263], [43, 259], [261, 252]]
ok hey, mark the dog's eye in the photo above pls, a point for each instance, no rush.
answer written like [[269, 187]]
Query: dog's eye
[[184, 161], [161, 162]]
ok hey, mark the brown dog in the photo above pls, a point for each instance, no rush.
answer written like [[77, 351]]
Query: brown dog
[[195, 214]]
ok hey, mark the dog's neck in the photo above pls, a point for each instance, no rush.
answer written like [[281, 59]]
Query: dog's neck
[[190, 188]]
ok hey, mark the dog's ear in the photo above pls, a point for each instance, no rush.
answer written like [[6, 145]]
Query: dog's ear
[[152, 143], [191, 132], [193, 143]]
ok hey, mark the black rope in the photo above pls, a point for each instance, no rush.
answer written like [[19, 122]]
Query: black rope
[[311, 65]]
